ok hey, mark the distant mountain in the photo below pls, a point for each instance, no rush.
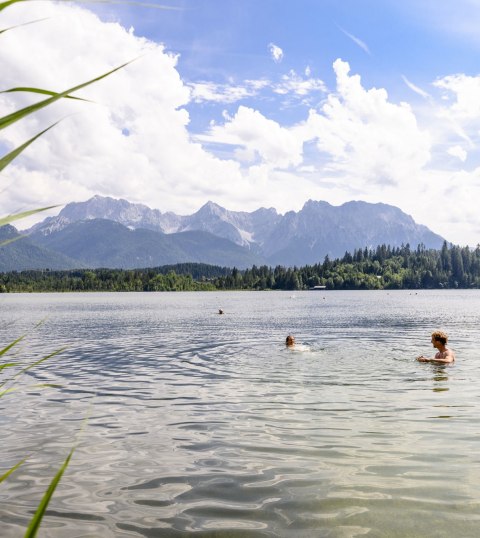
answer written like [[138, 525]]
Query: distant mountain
[[105, 243], [105, 232], [321, 229], [21, 254], [243, 228], [100, 207]]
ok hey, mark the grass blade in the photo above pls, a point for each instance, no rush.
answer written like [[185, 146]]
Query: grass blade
[[8, 365], [11, 218], [23, 24], [36, 386], [41, 91], [36, 363], [4, 5], [10, 471], [8, 241], [40, 512], [7, 159], [14, 343], [5, 121]]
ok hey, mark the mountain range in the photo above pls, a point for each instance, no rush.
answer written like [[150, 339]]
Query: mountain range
[[106, 232]]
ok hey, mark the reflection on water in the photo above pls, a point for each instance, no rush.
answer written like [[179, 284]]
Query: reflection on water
[[440, 378], [208, 424]]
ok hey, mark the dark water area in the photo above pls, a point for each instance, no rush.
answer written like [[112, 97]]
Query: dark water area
[[188, 422]]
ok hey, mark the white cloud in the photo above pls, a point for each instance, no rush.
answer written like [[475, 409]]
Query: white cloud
[[223, 93], [466, 92], [87, 153], [276, 146], [290, 84], [357, 41], [459, 152], [276, 52], [415, 88], [356, 144], [459, 108], [293, 83], [369, 140]]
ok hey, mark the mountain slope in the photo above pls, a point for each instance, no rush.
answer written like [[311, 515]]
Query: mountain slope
[[242, 228], [321, 229], [104, 243], [21, 254], [296, 238]]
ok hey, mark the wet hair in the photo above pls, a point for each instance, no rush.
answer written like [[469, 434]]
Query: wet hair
[[290, 340], [440, 336]]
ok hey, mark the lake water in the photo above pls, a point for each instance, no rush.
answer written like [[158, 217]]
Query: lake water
[[205, 424]]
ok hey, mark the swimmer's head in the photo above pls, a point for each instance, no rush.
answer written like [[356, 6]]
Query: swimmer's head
[[290, 341], [440, 336]]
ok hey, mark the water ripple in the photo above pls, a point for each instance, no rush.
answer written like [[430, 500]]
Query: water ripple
[[207, 425]]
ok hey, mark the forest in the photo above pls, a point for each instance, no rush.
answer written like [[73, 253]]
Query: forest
[[384, 267]]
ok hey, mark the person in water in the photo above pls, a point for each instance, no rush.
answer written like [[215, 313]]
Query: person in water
[[443, 355], [290, 341]]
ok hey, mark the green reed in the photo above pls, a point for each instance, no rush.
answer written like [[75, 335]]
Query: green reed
[[10, 384]]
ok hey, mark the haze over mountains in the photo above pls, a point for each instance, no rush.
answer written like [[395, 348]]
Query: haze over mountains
[[105, 232]]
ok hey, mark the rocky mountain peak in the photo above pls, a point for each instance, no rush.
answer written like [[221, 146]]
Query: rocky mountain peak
[[295, 238]]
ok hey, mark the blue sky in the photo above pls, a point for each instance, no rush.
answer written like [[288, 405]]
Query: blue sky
[[253, 103], [227, 41]]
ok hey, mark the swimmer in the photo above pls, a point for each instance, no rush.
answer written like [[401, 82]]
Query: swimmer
[[290, 341], [220, 311], [292, 345], [443, 355]]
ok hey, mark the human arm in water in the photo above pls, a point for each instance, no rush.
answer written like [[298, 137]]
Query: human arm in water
[[445, 357]]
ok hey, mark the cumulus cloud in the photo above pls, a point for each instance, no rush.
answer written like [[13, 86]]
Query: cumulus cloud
[[275, 52], [465, 91], [275, 146], [89, 152], [133, 138], [459, 109], [370, 141]]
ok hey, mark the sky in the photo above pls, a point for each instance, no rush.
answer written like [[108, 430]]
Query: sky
[[249, 103]]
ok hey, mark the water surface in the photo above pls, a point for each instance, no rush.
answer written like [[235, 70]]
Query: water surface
[[205, 424]]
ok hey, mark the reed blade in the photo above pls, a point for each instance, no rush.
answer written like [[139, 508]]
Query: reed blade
[[8, 241], [40, 91], [36, 363], [23, 24], [10, 471], [7, 159], [40, 512], [4, 5], [14, 343], [11, 218], [6, 121], [8, 365]]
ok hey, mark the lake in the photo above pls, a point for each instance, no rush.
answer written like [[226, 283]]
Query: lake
[[190, 422]]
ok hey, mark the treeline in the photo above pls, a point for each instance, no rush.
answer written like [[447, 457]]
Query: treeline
[[385, 267], [180, 277]]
